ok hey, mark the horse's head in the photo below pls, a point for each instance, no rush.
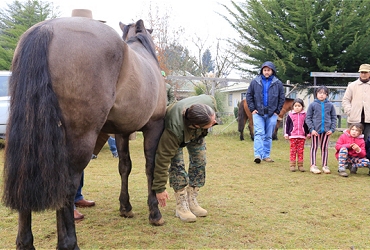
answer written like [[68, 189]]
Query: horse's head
[[132, 29], [137, 32]]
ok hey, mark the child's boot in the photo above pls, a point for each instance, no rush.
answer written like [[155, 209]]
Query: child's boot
[[300, 167], [292, 166]]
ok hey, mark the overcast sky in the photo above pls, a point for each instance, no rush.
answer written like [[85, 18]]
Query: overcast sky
[[197, 17]]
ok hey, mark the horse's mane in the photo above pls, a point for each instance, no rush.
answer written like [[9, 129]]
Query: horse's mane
[[147, 43], [143, 38]]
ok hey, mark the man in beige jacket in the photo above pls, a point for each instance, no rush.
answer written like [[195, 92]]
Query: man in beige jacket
[[356, 101]]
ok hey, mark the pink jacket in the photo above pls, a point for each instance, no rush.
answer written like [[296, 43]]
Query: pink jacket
[[295, 126], [345, 140]]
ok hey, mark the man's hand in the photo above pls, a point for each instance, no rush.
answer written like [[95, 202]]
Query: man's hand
[[162, 197]]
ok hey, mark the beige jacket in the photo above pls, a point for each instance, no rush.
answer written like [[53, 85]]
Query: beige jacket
[[355, 99]]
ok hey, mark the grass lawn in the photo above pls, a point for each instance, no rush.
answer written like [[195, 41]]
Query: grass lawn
[[250, 205]]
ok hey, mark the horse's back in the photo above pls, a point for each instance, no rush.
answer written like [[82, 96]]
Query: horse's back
[[85, 59]]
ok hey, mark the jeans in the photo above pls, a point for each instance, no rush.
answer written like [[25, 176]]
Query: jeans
[[112, 144], [263, 128], [79, 195]]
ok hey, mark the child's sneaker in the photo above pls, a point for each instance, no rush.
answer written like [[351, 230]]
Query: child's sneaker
[[292, 168], [353, 169], [315, 170], [326, 169], [342, 173]]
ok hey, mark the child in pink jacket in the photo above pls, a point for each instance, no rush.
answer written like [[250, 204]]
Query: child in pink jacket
[[296, 130], [351, 149]]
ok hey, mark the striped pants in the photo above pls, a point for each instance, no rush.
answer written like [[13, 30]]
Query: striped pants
[[344, 159], [323, 141]]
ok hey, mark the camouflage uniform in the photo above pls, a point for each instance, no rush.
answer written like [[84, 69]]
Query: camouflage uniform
[[170, 148], [197, 166]]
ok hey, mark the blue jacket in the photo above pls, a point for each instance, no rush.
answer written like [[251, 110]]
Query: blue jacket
[[276, 95], [321, 117]]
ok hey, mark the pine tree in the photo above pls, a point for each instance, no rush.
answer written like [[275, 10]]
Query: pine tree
[[15, 20], [302, 36]]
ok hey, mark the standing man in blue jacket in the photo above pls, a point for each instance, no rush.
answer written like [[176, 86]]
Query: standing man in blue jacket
[[265, 98]]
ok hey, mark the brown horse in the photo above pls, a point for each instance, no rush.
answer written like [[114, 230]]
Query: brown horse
[[244, 114], [72, 78]]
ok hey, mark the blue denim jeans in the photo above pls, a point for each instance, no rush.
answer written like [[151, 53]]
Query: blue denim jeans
[[263, 128], [79, 195], [112, 144]]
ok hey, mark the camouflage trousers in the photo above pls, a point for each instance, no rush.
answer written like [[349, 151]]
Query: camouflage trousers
[[195, 177]]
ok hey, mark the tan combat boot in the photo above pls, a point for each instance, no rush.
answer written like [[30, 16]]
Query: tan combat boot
[[193, 204], [182, 207]]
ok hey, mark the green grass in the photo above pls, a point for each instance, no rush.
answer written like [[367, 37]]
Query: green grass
[[249, 205]]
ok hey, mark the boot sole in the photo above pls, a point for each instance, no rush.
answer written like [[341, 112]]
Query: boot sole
[[200, 215], [186, 219]]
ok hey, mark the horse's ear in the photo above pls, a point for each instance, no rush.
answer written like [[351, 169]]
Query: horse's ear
[[149, 30], [122, 26], [139, 26]]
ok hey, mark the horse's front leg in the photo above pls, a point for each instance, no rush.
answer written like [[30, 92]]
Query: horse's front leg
[[24, 237], [151, 139], [241, 135], [124, 168]]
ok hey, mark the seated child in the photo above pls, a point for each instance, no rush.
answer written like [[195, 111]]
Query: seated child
[[351, 149]]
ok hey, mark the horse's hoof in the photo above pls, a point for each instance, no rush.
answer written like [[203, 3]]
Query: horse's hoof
[[129, 214], [159, 222]]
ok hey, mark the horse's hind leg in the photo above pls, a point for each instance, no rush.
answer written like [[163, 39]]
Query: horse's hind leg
[[251, 130], [24, 237], [67, 238], [66, 229], [151, 139], [124, 168]]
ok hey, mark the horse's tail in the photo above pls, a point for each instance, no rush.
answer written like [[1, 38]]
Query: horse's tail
[[241, 117], [36, 172]]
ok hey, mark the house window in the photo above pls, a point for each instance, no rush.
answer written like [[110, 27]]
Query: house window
[[230, 100], [243, 96], [293, 95]]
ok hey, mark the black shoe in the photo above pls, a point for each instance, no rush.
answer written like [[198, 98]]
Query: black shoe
[[353, 170], [257, 160]]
